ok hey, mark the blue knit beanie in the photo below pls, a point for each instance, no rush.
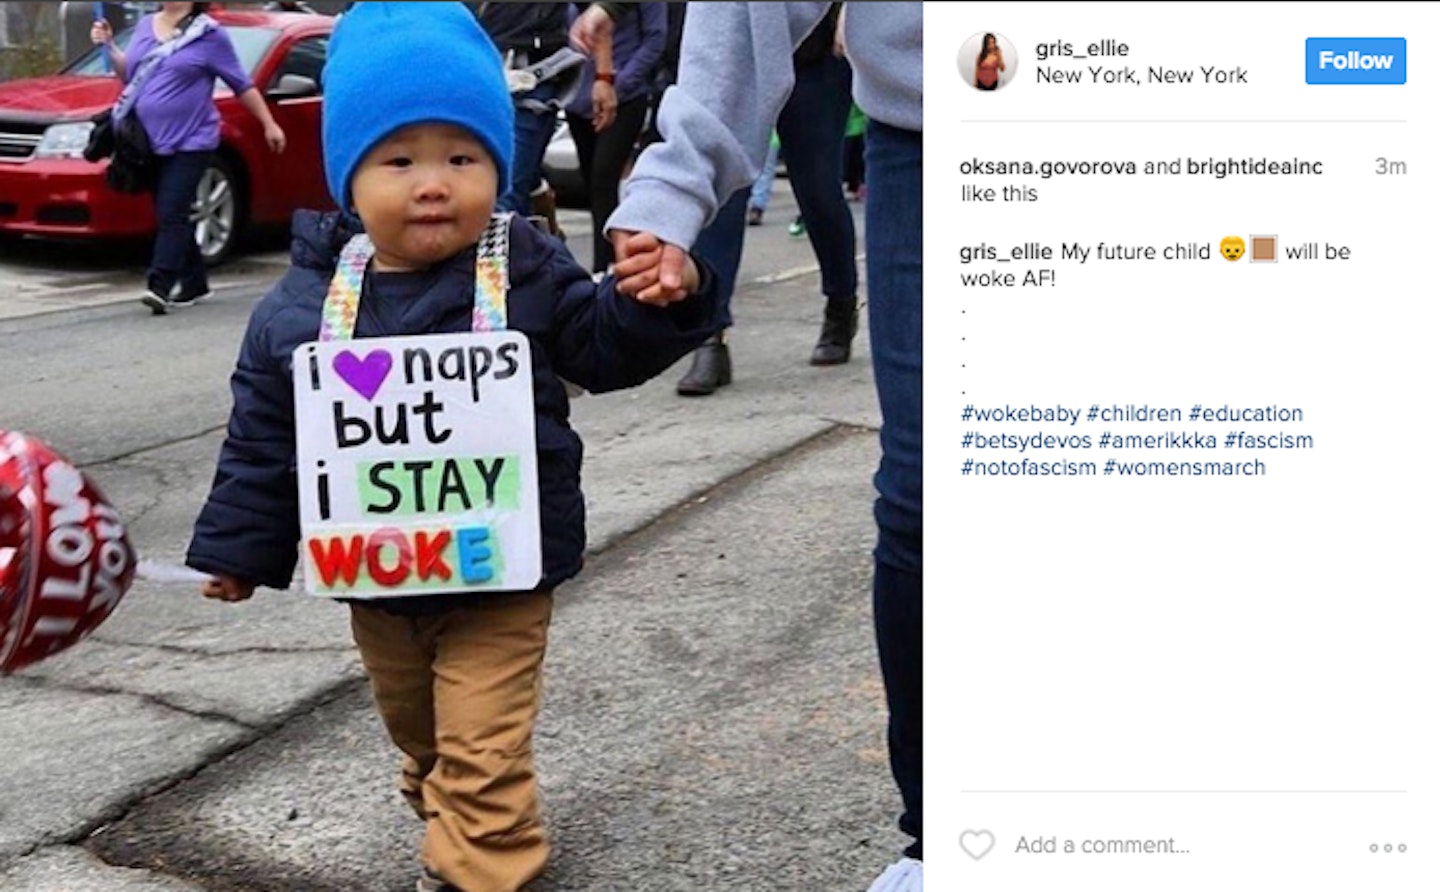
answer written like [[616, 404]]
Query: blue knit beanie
[[391, 65]]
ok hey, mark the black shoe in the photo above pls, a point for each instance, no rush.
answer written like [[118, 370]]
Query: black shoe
[[159, 304], [191, 294], [709, 372], [842, 318]]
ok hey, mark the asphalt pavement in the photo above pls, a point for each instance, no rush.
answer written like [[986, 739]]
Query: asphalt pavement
[[713, 719]]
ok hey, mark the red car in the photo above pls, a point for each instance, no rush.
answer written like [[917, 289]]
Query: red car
[[47, 189]]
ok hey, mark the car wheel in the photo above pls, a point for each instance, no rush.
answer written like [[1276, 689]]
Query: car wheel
[[217, 212]]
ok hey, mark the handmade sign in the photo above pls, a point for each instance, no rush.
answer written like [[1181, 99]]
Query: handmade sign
[[65, 560], [417, 465]]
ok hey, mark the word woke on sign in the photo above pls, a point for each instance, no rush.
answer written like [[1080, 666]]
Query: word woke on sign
[[391, 557]]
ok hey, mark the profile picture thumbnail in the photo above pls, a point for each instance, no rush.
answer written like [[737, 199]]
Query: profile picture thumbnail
[[988, 61]]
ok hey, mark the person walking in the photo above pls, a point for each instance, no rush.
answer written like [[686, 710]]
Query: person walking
[[717, 119], [811, 129], [420, 155], [605, 127], [169, 70]]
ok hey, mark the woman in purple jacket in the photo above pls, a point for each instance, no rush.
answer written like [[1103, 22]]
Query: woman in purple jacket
[[176, 105], [608, 113]]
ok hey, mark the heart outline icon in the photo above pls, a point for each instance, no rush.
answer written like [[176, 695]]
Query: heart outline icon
[[970, 843], [364, 375]]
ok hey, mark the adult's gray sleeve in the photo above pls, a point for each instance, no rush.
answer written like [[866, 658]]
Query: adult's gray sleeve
[[735, 74]]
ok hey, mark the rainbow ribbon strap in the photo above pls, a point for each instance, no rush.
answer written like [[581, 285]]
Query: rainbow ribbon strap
[[492, 282]]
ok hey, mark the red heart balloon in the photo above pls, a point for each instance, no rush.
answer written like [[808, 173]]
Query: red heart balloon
[[65, 560]]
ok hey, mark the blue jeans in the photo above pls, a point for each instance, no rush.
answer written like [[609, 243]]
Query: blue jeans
[[176, 258], [721, 244], [760, 191], [532, 135], [812, 136], [893, 219]]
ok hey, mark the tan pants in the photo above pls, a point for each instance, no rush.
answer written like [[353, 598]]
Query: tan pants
[[459, 692]]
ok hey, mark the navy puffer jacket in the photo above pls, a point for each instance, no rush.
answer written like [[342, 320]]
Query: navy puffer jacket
[[587, 333]]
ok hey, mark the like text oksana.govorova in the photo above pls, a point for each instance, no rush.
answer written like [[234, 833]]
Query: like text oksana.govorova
[[1219, 168]]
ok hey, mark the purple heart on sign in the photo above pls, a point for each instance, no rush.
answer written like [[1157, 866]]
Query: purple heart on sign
[[364, 375]]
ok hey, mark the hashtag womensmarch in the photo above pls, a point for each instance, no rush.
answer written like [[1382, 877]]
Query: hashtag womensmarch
[[1110, 466], [968, 414]]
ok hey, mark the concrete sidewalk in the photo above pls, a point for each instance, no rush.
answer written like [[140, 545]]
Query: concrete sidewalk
[[44, 284]]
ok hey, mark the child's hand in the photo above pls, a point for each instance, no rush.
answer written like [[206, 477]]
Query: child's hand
[[227, 588], [652, 271]]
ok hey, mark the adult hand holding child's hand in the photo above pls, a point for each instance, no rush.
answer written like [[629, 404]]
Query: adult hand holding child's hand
[[652, 271]]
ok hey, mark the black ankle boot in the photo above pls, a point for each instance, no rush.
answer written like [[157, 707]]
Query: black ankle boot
[[710, 370], [842, 317]]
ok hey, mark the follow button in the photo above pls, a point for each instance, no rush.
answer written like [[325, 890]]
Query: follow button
[[1355, 60]]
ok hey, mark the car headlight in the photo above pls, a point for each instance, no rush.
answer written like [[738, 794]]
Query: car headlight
[[64, 140]]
